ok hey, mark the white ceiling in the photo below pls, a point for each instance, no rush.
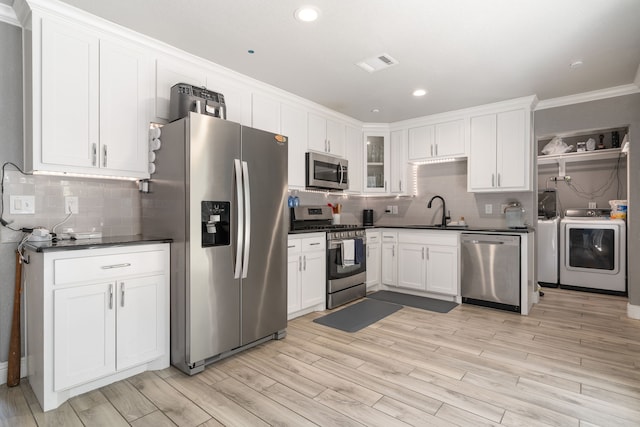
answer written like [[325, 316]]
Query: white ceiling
[[464, 52]]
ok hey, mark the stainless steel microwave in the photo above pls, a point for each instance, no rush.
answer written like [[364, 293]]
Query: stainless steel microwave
[[326, 172]]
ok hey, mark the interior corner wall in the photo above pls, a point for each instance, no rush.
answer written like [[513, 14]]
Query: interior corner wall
[[10, 151], [604, 114]]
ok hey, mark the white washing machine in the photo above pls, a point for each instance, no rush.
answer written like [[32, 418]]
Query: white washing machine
[[548, 251], [593, 251]]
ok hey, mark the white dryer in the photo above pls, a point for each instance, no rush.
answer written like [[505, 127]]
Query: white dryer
[[548, 251], [593, 251]]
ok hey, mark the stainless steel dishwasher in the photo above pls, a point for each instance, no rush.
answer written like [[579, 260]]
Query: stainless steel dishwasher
[[491, 270]]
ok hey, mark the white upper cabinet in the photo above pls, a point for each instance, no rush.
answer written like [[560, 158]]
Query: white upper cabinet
[[421, 142], [69, 133], [377, 157], [90, 102], [265, 113], [449, 139], [326, 136], [293, 125], [398, 174], [500, 152], [124, 125], [354, 156], [444, 139]]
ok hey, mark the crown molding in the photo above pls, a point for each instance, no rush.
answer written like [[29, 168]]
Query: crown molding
[[589, 96], [8, 15]]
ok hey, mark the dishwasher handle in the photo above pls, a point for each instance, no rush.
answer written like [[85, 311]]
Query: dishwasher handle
[[489, 239], [483, 242]]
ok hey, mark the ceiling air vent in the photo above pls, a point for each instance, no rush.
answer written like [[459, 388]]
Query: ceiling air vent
[[376, 63]]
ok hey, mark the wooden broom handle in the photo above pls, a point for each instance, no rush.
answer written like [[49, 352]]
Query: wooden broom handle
[[13, 368]]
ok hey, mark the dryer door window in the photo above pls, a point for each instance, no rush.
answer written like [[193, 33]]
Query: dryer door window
[[592, 248]]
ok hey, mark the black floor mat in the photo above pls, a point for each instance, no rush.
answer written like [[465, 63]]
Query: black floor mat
[[358, 316], [424, 303]]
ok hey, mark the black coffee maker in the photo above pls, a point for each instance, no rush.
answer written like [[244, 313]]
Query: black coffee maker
[[367, 217]]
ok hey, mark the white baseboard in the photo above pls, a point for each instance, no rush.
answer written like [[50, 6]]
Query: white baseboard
[[4, 368], [633, 311]]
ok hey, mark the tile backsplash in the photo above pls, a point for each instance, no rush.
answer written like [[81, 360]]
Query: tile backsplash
[[109, 206]]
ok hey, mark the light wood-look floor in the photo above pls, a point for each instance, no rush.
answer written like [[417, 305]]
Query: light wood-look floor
[[575, 361]]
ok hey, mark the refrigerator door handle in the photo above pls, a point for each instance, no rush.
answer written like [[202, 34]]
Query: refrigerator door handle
[[239, 219], [247, 219]]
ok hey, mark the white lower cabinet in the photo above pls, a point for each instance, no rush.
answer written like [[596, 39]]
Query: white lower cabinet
[[389, 258], [428, 261], [373, 259], [95, 316], [306, 277]]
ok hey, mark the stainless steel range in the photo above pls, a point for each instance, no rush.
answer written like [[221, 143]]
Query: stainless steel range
[[346, 249]]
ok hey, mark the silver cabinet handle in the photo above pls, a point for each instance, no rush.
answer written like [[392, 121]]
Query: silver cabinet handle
[[400, 185], [385, 185], [393, 250], [314, 244], [94, 154], [247, 219], [368, 252], [104, 156], [124, 264], [326, 145], [111, 296], [431, 150], [422, 252], [121, 294], [299, 262], [498, 180], [493, 180], [427, 253], [329, 142], [240, 216], [436, 149], [291, 246], [305, 263]]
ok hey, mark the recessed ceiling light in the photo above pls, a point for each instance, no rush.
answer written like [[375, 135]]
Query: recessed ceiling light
[[419, 92], [576, 64], [307, 13], [375, 110]]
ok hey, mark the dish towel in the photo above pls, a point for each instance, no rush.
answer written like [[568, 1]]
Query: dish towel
[[359, 255], [348, 252]]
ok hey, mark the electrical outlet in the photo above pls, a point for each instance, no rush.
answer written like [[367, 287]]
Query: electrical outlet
[[71, 204], [394, 210], [592, 205], [20, 205], [488, 209]]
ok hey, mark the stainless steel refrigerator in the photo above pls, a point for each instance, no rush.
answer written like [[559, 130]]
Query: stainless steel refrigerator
[[220, 192]]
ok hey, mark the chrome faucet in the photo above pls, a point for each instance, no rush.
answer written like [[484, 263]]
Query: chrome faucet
[[444, 210]]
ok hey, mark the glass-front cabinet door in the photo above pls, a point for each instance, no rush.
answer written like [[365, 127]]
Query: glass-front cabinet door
[[376, 162]]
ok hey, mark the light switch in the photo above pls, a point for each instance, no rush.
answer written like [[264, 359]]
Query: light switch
[[20, 205]]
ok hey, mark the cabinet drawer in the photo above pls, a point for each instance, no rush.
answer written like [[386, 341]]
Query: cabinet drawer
[[294, 246], [389, 237], [314, 244], [373, 238], [105, 267], [445, 238]]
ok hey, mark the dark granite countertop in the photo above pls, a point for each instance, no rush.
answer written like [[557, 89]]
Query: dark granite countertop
[[65, 245], [438, 228], [461, 228]]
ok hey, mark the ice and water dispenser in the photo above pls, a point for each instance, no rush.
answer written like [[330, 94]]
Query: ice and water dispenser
[[215, 223]]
